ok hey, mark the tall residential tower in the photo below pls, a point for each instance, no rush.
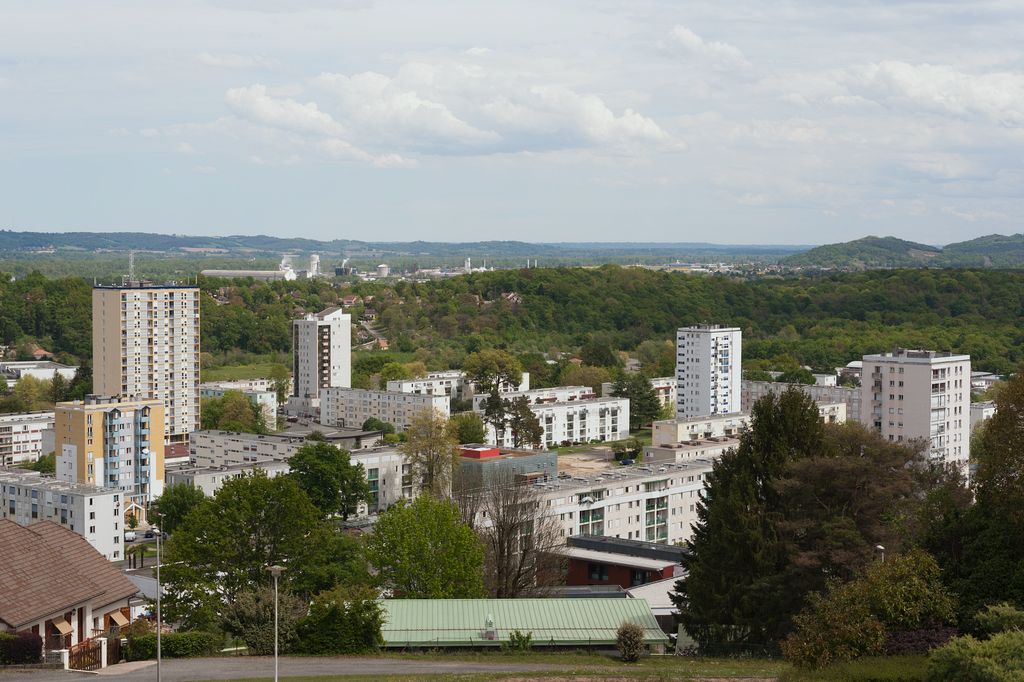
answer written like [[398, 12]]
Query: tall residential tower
[[920, 395], [145, 344], [321, 357], [708, 370]]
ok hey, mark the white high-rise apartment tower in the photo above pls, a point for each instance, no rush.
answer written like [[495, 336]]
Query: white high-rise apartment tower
[[145, 344], [321, 354], [920, 394], [708, 371]]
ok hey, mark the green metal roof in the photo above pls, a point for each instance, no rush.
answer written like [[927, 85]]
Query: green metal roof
[[553, 622]]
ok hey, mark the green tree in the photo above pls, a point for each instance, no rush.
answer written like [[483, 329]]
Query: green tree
[[46, 464], [345, 620], [232, 412], [59, 388], [223, 548], [176, 502], [423, 550], [732, 595], [374, 424], [432, 452], [798, 375], [644, 405], [584, 375], [394, 371], [280, 381], [326, 473], [250, 618], [525, 428], [598, 352], [492, 368], [467, 427]]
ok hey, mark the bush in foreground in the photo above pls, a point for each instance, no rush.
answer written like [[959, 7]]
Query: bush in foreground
[[966, 659], [629, 639], [999, 618], [342, 622], [190, 644], [20, 648]]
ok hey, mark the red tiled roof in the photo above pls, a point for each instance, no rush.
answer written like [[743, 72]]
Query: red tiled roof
[[47, 569]]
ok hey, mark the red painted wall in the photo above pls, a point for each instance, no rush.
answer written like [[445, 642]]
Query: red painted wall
[[578, 573]]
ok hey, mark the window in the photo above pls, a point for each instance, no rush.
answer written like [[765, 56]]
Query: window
[[592, 522], [598, 572]]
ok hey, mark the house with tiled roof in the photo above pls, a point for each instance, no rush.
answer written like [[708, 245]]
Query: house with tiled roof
[[53, 583]]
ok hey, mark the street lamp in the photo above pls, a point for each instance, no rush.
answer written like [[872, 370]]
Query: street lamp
[[275, 571], [881, 549]]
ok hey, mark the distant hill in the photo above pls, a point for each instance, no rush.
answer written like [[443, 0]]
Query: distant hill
[[996, 250], [865, 253]]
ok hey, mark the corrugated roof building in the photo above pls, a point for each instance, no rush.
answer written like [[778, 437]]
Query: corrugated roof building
[[412, 623]]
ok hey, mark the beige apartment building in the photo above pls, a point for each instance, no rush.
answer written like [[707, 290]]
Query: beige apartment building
[[145, 342], [920, 395], [114, 443]]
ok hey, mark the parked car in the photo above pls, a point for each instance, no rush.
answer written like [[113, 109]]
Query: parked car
[[130, 536], [151, 532]]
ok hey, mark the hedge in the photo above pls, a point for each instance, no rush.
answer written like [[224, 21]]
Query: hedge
[[173, 645], [966, 659], [20, 648]]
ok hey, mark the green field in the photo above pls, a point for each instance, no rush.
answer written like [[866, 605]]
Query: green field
[[256, 370]]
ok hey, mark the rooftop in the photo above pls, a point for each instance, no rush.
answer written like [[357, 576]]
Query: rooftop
[[912, 355], [614, 473], [33, 364], [615, 559], [36, 480], [128, 286]]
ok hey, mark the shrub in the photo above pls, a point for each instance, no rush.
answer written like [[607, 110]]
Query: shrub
[[966, 659], [836, 626], [189, 644], [519, 641], [342, 622], [629, 640], [999, 618], [250, 617], [20, 648]]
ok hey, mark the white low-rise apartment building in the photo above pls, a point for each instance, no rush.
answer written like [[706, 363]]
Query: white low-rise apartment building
[[664, 388], [671, 432], [654, 503], [350, 407], [25, 437], [568, 414], [451, 383], [260, 393], [210, 479], [94, 513], [752, 391], [981, 412], [43, 370]]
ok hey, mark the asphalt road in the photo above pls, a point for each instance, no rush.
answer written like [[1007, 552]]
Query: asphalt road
[[189, 669]]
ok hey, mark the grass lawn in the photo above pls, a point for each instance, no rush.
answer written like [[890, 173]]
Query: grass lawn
[[895, 668], [257, 370], [644, 435]]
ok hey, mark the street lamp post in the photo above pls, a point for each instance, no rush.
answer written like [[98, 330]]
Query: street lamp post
[[881, 550], [159, 595], [275, 571]]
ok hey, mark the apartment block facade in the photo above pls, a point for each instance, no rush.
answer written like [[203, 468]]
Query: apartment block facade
[[25, 437], [350, 407], [321, 357], [453, 383], [708, 370], [921, 394], [568, 414], [260, 393], [95, 513], [752, 391], [115, 443], [145, 343]]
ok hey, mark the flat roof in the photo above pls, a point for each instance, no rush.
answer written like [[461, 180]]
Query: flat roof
[[34, 364], [552, 622], [916, 356], [624, 474], [614, 559], [34, 479], [146, 285]]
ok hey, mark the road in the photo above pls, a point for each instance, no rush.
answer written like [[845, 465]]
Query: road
[[190, 669]]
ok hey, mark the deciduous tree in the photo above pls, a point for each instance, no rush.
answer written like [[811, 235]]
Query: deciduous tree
[[326, 473], [432, 451], [174, 504]]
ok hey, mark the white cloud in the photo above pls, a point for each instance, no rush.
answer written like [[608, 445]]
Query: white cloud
[[713, 51], [184, 148], [996, 95], [254, 103], [235, 61], [973, 216]]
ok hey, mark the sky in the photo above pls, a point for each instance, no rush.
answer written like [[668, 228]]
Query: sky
[[784, 122]]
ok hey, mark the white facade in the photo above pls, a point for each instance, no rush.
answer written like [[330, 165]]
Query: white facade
[[708, 370], [321, 353], [42, 370], [25, 437], [260, 392], [664, 387], [145, 343], [671, 432], [981, 412], [453, 384], [210, 479], [752, 391], [655, 503], [95, 513], [350, 407], [568, 414], [917, 394]]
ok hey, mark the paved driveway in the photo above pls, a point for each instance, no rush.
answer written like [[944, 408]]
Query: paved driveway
[[188, 669]]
